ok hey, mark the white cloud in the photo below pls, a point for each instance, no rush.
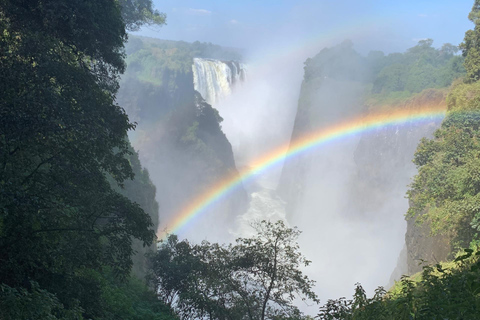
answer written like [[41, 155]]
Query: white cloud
[[422, 15], [233, 21], [200, 12]]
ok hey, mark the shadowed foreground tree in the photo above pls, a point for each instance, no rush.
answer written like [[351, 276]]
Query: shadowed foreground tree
[[257, 278], [61, 136]]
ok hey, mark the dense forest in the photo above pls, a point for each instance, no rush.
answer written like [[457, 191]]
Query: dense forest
[[71, 215], [78, 210]]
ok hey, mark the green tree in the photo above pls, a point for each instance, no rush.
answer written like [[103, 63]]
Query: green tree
[[471, 45], [271, 263], [137, 13], [437, 292], [62, 137], [257, 278], [445, 192], [421, 67]]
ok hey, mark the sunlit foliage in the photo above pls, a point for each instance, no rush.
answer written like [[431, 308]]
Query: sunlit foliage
[[439, 293]]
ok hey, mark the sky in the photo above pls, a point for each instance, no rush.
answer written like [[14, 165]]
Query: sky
[[386, 25]]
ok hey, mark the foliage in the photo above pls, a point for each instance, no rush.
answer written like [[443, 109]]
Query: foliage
[[23, 304], [151, 58], [141, 191], [137, 13], [440, 293], [341, 62], [445, 192], [62, 146], [128, 300], [131, 300], [470, 45], [159, 77], [257, 278], [419, 68]]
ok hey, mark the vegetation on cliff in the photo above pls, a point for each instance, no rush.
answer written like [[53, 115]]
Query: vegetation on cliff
[[438, 292], [159, 75], [444, 194]]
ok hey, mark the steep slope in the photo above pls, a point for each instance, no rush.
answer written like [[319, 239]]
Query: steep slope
[[179, 137], [384, 168], [354, 188], [331, 91], [443, 214]]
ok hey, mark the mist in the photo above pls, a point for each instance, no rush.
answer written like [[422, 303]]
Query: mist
[[259, 114], [347, 197], [351, 234], [205, 159]]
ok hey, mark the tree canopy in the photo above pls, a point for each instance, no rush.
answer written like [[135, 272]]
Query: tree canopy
[[257, 278], [137, 13], [471, 45], [63, 146]]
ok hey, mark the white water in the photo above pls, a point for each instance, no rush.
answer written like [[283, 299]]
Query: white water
[[214, 79], [265, 204]]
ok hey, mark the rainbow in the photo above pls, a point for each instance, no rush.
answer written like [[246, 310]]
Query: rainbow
[[303, 144]]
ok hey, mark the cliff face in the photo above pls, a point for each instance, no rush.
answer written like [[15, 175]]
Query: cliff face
[[178, 136], [384, 169], [331, 90], [424, 248], [384, 158], [358, 184], [187, 153]]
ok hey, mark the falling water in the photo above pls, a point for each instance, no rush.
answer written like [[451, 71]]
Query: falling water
[[214, 79]]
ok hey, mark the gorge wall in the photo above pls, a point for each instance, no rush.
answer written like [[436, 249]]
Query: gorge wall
[[178, 136], [384, 169], [349, 196]]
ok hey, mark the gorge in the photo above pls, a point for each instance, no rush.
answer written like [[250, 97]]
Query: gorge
[[286, 174], [352, 189]]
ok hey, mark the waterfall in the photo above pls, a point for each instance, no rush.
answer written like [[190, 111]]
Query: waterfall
[[214, 79]]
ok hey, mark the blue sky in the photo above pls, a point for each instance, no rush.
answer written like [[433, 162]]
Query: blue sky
[[390, 26]]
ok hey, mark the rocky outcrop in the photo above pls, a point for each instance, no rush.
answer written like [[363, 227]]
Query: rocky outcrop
[[362, 181], [384, 171], [423, 248], [178, 136], [331, 90]]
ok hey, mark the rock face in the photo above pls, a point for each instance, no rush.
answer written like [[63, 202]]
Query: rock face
[[178, 137], [330, 92], [423, 248], [384, 171], [353, 190]]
